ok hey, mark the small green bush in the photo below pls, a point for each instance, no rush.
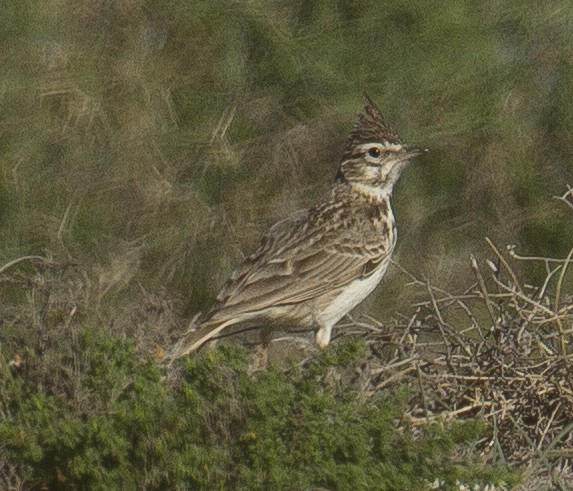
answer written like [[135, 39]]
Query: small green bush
[[217, 427]]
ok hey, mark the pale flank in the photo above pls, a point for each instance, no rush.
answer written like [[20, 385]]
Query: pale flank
[[315, 266]]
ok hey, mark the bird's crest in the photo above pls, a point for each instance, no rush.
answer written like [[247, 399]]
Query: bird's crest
[[370, 127]]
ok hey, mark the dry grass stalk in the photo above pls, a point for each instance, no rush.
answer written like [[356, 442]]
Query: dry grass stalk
[[501, 350]]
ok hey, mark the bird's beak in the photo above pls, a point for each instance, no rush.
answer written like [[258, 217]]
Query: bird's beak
[[411, 152]]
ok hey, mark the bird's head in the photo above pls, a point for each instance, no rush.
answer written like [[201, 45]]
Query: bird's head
[[374, 155]]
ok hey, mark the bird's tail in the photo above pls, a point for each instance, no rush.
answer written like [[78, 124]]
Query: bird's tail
[[194, 338]]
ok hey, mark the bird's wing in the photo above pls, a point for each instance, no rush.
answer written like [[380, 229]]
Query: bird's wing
[[291, 266]]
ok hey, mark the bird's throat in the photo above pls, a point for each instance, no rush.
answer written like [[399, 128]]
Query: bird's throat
[[371, 191]]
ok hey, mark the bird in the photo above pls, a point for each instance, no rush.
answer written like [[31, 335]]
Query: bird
[[313, 267]]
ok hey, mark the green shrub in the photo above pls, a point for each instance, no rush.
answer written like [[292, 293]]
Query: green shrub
[[216, 427]]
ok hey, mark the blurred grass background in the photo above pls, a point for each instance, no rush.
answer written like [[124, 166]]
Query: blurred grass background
[[151, 143]]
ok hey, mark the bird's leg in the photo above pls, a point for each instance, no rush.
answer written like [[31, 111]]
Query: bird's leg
[[323, 335], [261, 353], [266, 337]]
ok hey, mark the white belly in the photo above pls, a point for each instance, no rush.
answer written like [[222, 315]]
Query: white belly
[[350, 297]]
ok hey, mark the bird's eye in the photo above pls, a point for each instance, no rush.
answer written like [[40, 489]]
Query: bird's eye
[[374, 152]]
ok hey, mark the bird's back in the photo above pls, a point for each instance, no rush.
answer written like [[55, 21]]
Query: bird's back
[[310, 254]]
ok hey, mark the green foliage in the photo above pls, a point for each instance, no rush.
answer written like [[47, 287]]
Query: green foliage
[[218, 428]]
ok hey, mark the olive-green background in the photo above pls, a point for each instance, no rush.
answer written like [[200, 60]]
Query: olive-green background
[[151, 143]]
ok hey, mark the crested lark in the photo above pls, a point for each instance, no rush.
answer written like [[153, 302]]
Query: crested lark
[[315, 266]]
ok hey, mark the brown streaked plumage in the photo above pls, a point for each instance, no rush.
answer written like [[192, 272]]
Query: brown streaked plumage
[[313, 267]]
